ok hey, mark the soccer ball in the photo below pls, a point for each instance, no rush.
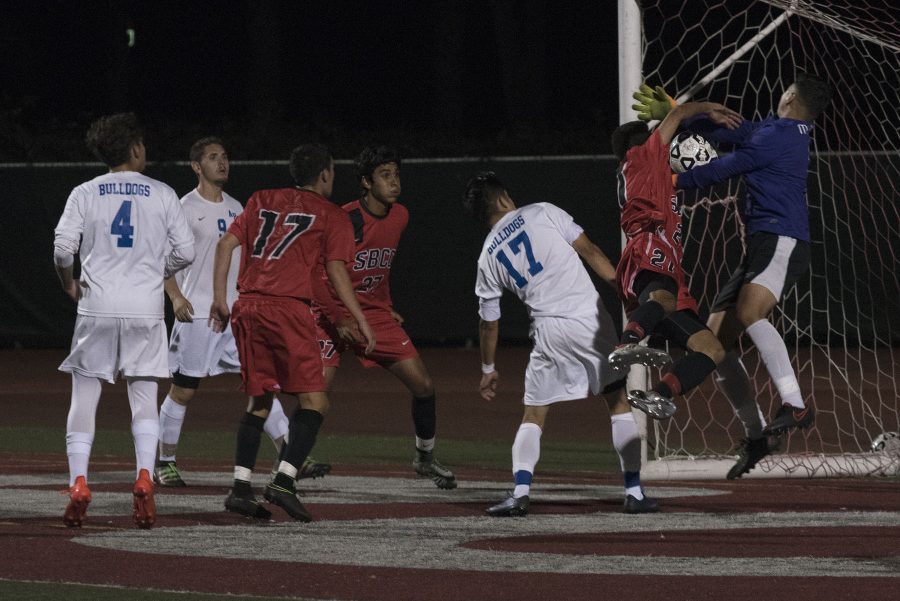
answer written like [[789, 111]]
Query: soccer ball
[[886, 441], [689, 150]]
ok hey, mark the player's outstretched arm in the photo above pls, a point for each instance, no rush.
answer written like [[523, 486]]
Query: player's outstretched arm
[[181, 306], [489, 332], [343, 287], [596, 259], [219, 311], [719, 112]]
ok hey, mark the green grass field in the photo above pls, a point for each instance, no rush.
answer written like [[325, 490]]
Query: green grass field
[[349, 450]]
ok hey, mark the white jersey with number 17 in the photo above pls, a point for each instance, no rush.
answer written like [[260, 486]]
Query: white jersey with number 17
[[529, 252], [208, 221], [126, 223]]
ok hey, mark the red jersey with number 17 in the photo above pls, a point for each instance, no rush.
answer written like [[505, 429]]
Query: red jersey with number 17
[[283, 233], [376, 245]]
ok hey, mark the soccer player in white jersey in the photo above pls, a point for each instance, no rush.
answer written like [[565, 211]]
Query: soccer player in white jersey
[[195, 350], [536, 253], [130, 233]]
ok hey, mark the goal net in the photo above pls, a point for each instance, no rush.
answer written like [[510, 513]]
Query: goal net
[[842, 321]]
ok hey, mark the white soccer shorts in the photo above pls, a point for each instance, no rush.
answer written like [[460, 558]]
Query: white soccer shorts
[[569, 359], [196, 350], [104, 347]]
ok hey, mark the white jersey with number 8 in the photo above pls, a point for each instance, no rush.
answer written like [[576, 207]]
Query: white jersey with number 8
[[126, 223]]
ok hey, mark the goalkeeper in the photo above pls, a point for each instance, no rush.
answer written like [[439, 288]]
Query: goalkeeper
[[773, 157], [650, 278]]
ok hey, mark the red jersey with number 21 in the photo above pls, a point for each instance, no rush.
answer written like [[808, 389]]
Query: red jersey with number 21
[[651, 220], [376, 245], [283, 233]]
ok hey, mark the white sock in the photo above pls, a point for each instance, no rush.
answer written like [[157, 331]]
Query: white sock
[[144, 421], [526, 451], [732, 380], [80, 424], [146, 434], [171, 418], [425, 445], [277, 424], [627, 441], [78, 448], [242, 473], [288, 470], [774, 354]]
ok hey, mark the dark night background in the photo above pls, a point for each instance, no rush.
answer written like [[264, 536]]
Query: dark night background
[[461, 78]]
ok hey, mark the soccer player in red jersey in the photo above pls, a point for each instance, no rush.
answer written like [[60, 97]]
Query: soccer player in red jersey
[[282, 233], [378, 222], [651, 281]]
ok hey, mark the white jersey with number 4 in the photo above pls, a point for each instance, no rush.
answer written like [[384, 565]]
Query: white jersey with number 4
[[126, 223], [529, 252], [208, 221]]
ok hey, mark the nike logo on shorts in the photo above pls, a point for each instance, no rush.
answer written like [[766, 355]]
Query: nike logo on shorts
[[405, 342]]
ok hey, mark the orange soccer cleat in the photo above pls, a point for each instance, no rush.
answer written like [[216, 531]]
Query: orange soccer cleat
[[144, 506], [79, 499]]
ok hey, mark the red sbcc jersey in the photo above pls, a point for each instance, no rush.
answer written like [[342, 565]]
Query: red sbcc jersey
[[651, 217], [283, 234], [376, 245]]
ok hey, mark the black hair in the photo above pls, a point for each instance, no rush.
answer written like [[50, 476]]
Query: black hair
[[308, 161], [110, 138], [815, 93], [372, 157], [199, 147], [627, 136], [482, 190]]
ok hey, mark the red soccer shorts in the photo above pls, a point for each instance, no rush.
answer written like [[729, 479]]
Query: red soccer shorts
[[646, 252], [276, 341], [392, 344], [330, 344]]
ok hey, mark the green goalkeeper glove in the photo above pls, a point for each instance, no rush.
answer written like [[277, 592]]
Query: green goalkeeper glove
[[653, 105]]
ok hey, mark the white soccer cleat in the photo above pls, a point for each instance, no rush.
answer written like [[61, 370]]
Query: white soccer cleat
[[634, 353], [652, 403]]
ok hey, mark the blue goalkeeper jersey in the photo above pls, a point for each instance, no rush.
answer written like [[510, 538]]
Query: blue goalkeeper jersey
[[773, 157]]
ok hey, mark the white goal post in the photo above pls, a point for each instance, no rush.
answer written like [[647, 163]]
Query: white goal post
[[841, 322]]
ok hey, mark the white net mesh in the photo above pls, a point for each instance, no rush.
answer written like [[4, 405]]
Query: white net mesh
[[842, 321]]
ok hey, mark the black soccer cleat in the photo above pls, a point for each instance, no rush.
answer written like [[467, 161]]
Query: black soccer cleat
[[510, 507], [249, 507], [645, 505], [428, 467], [287, 500], [166, 474], [750, 453], [313, 469], [789, 417]]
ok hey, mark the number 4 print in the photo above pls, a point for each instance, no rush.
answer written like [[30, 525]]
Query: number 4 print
[[534, 267], [121, 226]]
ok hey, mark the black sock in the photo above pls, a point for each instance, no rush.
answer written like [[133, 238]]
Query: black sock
[[249, 432], [642, 321], [688, 372], [242, 489], [304, 428], [424, 416]]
